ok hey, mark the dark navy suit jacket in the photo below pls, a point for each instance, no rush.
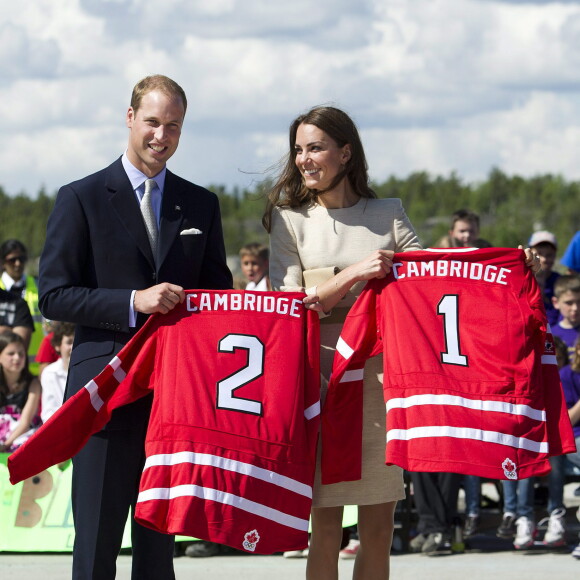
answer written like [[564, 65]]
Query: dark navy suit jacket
[[97, 252]]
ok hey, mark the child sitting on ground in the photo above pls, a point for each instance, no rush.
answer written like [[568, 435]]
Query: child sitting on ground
[[19, 394]]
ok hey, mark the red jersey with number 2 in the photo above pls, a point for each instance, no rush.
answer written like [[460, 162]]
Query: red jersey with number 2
[[231, 443]]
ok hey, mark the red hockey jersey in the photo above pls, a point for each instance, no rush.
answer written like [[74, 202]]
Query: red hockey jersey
[[470, 382], [232, 436]]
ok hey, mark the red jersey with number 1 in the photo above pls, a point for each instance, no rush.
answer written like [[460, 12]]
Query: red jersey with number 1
[[231, 443], [471, 383]]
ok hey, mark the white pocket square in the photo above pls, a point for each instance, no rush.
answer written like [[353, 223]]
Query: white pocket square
[[190, 232]]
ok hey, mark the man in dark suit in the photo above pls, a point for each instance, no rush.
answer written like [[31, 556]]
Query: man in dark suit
[[101, 270]]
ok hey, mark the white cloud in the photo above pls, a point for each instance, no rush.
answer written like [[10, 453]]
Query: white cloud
[[532, 138], [62, 151], [23, 56], [439, 85]]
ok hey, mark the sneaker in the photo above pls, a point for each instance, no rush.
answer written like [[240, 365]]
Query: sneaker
[[471, 525], [556, 532], [525, 531], [350, 551], [417, 542], [576, 552], [202, 550], [433, 542], [507, 528], [296, 553]]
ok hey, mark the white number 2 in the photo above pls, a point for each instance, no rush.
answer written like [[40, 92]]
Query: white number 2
[[253, 369], [448, 308]]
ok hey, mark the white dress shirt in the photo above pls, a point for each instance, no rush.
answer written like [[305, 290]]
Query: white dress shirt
[[137, 179], [53, 382]]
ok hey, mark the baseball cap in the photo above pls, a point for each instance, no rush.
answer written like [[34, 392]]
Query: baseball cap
[[542, 237]]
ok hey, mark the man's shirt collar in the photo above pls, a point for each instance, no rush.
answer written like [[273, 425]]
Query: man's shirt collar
[[137, 178]]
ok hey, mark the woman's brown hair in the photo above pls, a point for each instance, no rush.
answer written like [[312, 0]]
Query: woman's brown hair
[[7, 338], [290, 191]]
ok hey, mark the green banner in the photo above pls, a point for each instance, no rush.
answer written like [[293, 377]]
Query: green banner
[[36, 515]]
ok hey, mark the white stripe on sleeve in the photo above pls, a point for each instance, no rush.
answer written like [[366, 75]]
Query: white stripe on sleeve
[[354, 375], [312, 411], [343, 348], [93, 390]]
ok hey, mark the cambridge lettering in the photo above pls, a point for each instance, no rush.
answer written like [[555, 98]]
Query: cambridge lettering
[[259, 302], [452, 268]]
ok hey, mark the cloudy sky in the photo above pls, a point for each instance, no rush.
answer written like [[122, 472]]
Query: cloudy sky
[[436, 85]]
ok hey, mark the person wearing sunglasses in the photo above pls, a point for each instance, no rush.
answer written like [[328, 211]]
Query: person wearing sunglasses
[[13, 259]]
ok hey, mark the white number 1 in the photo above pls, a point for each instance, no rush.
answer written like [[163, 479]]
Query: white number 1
[[448, 308]]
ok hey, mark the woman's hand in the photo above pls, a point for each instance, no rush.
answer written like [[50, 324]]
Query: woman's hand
[[325, 296], [376, 265], [532, 259], [311, 300]]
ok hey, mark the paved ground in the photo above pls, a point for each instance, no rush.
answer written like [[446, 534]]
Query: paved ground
[[486, 558], [534, 565]]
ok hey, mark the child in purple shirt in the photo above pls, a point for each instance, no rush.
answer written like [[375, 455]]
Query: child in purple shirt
[[570, 376], [567, 300]]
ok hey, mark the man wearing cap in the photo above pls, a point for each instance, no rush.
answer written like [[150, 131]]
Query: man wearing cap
[[544, 244]]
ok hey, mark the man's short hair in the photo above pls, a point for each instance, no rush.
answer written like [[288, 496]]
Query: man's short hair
[[255, 250], [465, 215], [566, 283], [156, 83], [60, 330]]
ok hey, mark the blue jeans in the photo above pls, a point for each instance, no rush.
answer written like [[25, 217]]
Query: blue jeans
[[518, 497], [556, 483], [575, 457], [557, 476], [472, 487]]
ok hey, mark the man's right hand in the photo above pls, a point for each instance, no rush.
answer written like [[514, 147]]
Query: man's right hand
[[160, 298]]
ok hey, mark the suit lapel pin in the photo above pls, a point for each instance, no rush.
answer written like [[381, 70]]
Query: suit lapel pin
[[177, 208]]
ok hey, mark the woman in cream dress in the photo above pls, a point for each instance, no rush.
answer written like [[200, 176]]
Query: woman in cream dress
[[329, 234]]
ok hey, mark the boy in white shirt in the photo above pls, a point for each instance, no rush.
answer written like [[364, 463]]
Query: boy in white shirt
[[53, 379], [254, 261]]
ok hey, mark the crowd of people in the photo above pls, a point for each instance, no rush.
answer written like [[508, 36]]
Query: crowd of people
[[28, 348], [329, 235]]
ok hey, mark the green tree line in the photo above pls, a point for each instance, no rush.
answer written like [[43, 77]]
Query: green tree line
[[510, 208]]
